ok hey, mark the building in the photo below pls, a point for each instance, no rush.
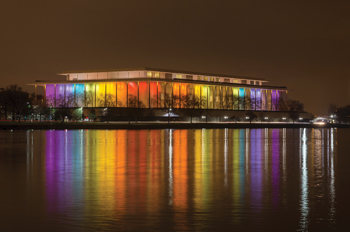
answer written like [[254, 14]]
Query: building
[[152, 87], [156, 89]]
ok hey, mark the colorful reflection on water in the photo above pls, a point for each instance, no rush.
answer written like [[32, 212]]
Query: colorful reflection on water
[[193, 180]]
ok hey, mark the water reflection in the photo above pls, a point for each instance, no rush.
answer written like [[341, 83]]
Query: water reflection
[[188, 179]]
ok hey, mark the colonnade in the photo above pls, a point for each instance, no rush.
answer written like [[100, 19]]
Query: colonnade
[[154, 94]]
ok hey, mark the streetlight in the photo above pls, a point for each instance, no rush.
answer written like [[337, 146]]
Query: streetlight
[[50, 112], [82, 120]]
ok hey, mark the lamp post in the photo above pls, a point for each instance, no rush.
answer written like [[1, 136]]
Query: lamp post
[[50, 113], [82, 120]]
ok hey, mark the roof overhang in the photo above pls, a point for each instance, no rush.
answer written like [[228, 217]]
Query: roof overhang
[[162, 70], [42, 83]]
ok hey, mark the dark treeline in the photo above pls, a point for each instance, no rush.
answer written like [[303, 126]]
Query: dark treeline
[[342, 113], [15, 101]]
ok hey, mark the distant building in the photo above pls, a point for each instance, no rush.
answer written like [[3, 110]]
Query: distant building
[[152, 87]]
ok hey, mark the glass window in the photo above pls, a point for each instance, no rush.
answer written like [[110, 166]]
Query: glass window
[[168, 76], [156, 75], [149, 74], [179, 76]]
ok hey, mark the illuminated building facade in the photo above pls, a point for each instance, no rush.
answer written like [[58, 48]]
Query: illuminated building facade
[[153, 88]]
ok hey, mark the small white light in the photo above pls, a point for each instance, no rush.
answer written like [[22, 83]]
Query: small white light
[[171, 109], [300, 118], [332, 116], [284, 118], [203, 116], [266, 118], [225, 117], [246, 117]]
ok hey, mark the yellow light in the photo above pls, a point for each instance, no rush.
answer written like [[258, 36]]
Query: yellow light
[[319, 123]]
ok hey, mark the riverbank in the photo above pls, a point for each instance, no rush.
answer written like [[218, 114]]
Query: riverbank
[[152, 125]]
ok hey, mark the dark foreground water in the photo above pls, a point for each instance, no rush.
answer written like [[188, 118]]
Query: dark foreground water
[[175, 180]]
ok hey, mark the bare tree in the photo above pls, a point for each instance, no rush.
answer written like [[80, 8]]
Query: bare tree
[[89, 99], [282, 105], [135, 107], [251, 116], [227, 102], [108, 101], [168, 105], [154, 102], [192, 105], [253, 104], [66, 101], [294, 108], [176, 101], [41, 111], [244, 102], [332, 109], [120, 104], [50, 100], [235, 102], [343, 113], [15, 100]]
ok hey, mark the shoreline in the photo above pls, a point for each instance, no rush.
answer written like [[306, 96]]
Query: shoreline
[[152, 125]]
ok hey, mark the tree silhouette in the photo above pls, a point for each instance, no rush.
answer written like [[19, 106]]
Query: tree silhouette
[[251, 116], [193, 105], [66, 101], [227, 102], [108, 101], [15, 100], [343, 113], [282, 105], [135, 107], [89, 99], [332, 109], [168, 105], [294, 108]]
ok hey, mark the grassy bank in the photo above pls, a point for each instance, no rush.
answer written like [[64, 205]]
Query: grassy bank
[[151, 125]]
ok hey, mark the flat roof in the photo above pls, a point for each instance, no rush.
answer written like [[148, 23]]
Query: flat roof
[[42, 82], [162, 70]]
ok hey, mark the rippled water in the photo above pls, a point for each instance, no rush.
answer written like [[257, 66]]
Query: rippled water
[[175, 180]]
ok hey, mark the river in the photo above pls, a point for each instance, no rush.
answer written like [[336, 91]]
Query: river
[[175, 180]]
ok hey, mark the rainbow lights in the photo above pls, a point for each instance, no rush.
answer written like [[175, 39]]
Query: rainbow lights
[[153, 95], [119, 173]]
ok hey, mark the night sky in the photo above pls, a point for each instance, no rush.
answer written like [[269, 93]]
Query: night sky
[[303, 45]]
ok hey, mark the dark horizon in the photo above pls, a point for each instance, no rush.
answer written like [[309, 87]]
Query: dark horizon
[[303, 46]]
